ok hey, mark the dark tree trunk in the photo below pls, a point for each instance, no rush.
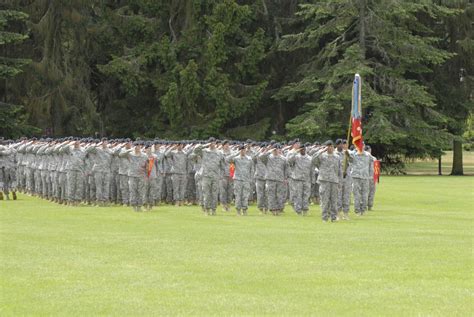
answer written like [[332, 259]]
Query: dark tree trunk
[[457, 158], [440, 171]]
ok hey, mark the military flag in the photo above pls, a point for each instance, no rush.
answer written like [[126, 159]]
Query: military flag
[[356, 114]]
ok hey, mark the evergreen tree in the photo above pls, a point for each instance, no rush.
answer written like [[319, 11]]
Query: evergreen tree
[[390, 46], [453, 81], [12, 117]]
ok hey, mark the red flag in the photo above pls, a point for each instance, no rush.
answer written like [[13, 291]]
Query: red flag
[[376, 171], [356, 134], [356, 114]]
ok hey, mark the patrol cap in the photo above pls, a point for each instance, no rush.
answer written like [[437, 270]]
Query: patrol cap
[[212, 139], [328, 143], [339, 141], [242, 147]]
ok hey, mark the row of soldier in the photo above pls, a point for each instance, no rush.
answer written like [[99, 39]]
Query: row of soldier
[[143, 174]]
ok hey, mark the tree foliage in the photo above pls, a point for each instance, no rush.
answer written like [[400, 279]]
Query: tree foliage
[[245, 69]]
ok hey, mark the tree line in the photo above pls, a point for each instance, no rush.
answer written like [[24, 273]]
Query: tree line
[[260, 69]]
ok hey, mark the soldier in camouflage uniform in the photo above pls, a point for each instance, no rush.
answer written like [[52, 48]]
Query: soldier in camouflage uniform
[[361, 162], [213, 165], [7, 171], [330, 174], [160, 172], [226, 183], [101, 170], [136, 175], [75, 172], [244, 169], [123, 171], [178, 160], [260, 181], [371, 195], [303, 166], [345, 186], [276, 177]]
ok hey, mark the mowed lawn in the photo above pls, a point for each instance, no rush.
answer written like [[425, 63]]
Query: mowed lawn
[[411, 256]]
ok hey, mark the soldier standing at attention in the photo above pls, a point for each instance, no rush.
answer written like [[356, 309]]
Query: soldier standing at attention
[[303, 166], [361, 162], [226, 183], [213, 165], [160, 172], [260, 172], [123, 172], [136, 175], [75, 172], [115, 193], [196, 162], [7, 171], [276, 177], [330, 173], [242, 179], [151, 174], [178, 160], [168, 182], [345, 186], [101, 170], [371, 195]]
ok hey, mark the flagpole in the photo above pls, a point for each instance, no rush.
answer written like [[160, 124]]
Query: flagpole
[[344, 164]]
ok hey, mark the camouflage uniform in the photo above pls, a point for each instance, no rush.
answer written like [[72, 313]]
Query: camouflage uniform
[[276, 176], [330, 173], [360, 178], [303, 166], [242, 180], [212, 165]]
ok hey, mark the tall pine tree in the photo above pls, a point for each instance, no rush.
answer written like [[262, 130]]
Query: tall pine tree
[[389, 45]]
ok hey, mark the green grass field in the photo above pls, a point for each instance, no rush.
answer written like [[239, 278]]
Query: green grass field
[[411, 256], [430, 167]]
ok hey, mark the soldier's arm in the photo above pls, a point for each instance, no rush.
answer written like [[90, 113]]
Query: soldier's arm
[[91, 149], [350, 155], [291, 157], [125, 153], [264, 157], [198, 150]]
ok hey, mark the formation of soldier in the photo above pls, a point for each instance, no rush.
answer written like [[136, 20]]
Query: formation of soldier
[[143, 174]]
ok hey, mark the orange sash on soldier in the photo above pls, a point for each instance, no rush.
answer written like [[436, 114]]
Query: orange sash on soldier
[[149, 168]]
